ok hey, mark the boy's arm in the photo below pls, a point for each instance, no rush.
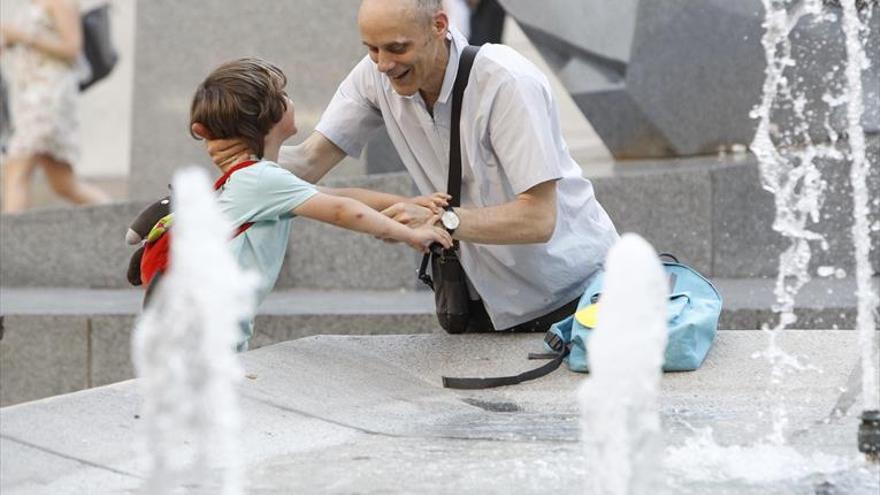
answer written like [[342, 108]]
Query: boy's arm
[[353, 215], [380, 201], [374, 199]]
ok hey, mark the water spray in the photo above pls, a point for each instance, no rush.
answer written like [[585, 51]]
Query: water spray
[[869, 429], [184, 352], [793, 176], [622, 436]]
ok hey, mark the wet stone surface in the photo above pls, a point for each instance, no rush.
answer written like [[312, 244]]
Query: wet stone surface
[[368, 415]]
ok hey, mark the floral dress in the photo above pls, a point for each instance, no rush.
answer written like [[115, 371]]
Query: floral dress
[[43, 92]]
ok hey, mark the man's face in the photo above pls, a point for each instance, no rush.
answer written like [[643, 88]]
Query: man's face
[[405, 47]]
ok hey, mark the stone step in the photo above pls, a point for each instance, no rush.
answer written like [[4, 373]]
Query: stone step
[[60, 340], [84, 247], [711, 212]]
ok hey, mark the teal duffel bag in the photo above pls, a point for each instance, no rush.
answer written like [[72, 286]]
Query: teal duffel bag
[[693, 311]]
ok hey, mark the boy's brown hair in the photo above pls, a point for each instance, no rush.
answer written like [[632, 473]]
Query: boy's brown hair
[[243, 99]]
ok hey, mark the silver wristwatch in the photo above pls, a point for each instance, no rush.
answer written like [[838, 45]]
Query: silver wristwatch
[[450, 220]]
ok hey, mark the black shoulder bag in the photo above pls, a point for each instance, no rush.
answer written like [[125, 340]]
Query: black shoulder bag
[[449, 282], [97, 45]]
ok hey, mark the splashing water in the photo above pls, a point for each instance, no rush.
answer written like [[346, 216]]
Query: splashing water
[[789, 163], [621, 430], [700, 459], [184, 351], [866, 320], [792, 175]]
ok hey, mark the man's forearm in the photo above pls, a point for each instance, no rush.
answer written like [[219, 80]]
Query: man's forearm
[[295, 159], [503, 224], [528, 219], [311, 159]]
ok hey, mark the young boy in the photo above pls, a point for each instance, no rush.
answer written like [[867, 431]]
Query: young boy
[[246, 99]]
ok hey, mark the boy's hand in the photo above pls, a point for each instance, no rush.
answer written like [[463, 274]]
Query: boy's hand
[[411, 215], [223, 151], [424, 236], [435, 202]]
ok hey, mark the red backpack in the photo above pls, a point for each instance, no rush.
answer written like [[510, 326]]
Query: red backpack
[[152, 226]]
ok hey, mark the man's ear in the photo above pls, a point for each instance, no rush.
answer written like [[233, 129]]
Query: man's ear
[[201, 131], [440, 24]]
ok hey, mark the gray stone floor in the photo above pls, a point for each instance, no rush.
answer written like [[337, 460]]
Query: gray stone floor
[[368, 415]]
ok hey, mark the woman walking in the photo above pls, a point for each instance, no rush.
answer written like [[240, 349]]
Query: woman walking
[[45, 45]]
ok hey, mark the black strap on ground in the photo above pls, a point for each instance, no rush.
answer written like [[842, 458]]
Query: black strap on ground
[[500, 381]]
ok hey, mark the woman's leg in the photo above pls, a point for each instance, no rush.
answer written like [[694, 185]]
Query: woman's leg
[[63, 181], [17, 173]]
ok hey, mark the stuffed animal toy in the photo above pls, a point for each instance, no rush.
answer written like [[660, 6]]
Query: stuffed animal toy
[[151, 230], [148, 226]]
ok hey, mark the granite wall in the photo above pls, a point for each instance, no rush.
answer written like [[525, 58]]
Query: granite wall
[[316, 43]]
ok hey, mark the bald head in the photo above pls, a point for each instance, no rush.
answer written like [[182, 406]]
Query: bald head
[[411, 10], [407, 41]]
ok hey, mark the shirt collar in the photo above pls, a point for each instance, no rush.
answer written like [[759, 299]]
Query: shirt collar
[[457, 45]]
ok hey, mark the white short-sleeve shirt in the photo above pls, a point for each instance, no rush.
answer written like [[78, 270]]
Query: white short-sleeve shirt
[[511, 140]]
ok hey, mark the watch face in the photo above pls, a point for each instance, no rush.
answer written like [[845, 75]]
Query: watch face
[[450, 220]]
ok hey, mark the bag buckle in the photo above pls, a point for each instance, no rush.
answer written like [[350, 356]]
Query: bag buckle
[[554, 342]]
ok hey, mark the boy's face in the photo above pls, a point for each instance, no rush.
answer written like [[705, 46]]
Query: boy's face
[[286, 127]]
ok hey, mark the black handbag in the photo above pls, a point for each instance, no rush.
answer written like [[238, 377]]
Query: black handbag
[[5, 115], [449, 282], [97, 45], [451, 295]]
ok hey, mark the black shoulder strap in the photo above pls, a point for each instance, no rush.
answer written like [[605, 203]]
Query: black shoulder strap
[[453, 186], [465, 62], [500, 381]]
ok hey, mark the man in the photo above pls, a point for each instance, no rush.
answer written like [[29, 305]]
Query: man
[[530, 229]]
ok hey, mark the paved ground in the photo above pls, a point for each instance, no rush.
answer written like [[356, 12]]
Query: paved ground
[[368, 415]]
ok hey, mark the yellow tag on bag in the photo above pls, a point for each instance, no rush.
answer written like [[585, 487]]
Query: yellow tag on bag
[[589, 316]]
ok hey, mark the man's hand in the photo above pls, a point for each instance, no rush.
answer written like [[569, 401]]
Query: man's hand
[[435, 202], [223, 151], [411, 215]]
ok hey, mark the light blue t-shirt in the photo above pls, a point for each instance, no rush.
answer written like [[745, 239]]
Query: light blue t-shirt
[[263, 193]]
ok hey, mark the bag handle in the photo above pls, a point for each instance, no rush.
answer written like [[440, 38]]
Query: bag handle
[[669, 256]]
